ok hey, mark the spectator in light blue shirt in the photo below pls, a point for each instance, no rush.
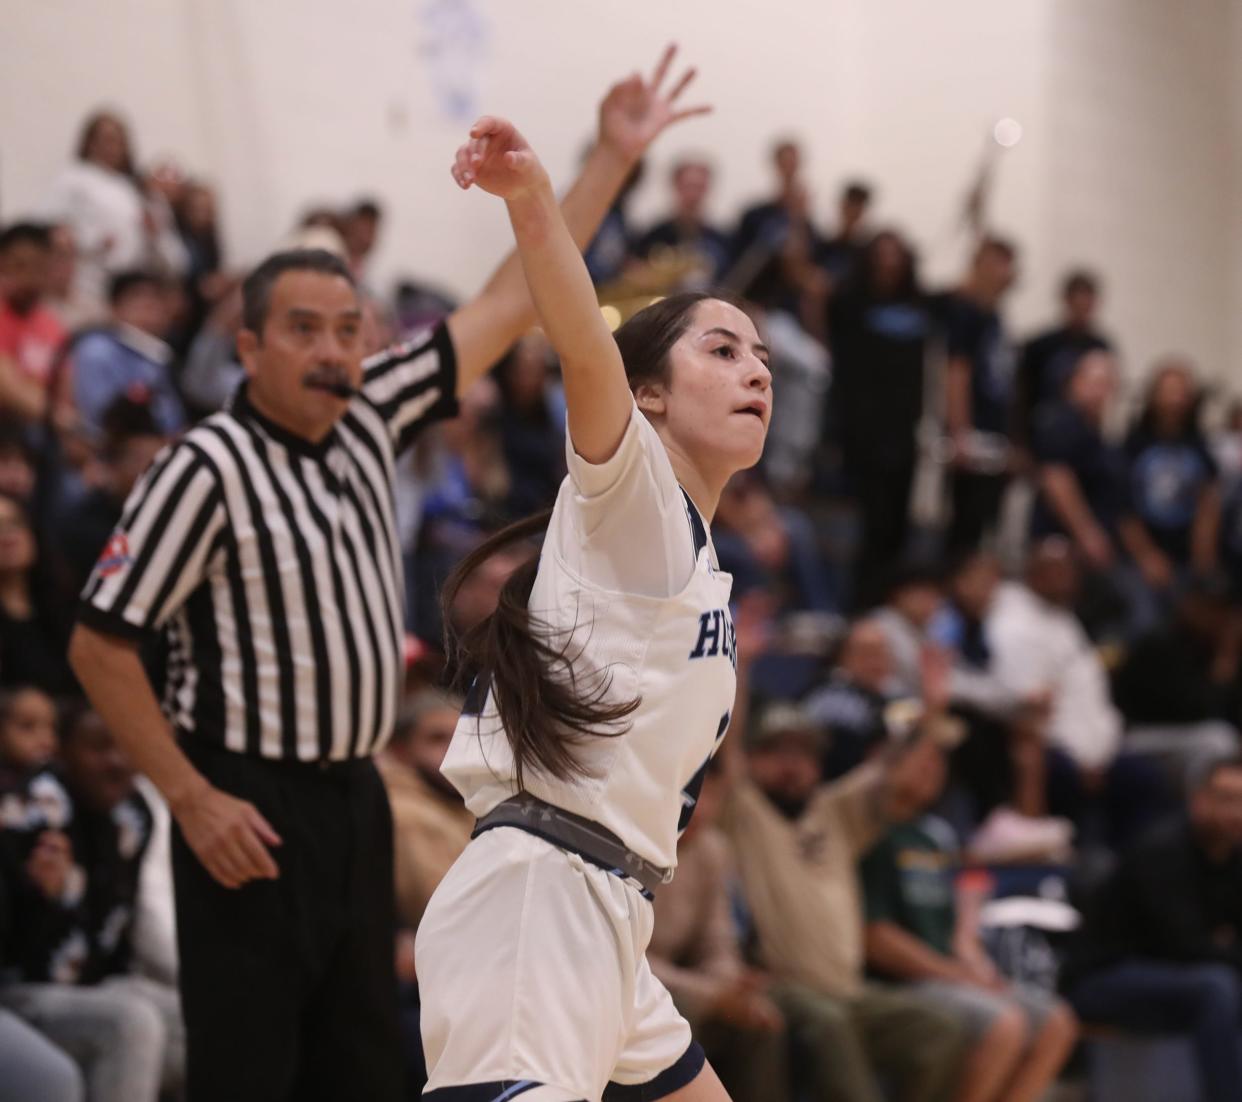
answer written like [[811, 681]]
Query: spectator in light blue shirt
[[129, 357]]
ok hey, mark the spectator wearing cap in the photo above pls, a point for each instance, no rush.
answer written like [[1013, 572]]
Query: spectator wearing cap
[[31, 335], [129, 358], [1160, 949], [797, 842]]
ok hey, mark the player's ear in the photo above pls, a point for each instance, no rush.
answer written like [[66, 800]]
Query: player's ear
[[650, 399]]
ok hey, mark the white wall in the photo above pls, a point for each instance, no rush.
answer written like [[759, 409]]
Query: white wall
[[1124, 163]]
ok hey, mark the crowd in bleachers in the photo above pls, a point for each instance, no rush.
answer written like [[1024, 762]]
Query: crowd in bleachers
[[948, 512]]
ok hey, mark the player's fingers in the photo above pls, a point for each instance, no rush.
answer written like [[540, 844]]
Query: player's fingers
[[487, 124], [482, 146], [517, 159], [661, 69], [682, 84], [691, 112]]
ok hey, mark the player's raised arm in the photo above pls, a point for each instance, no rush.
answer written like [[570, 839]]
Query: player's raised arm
[[632, 115], [498, 159]]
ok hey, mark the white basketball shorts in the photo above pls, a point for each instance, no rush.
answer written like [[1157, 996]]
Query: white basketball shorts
[[534, 983]]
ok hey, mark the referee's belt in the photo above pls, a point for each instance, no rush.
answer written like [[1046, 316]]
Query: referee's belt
[[574, 834]]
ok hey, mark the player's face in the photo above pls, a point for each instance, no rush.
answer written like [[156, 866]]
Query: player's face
[[718, 403], [29, 735], [314, 329]]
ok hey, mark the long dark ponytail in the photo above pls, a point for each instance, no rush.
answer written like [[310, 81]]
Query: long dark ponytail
[[545, 708]]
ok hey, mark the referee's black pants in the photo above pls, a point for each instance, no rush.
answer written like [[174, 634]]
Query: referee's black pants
[[288, 986]]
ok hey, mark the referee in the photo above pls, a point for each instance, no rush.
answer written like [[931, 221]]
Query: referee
[[263, 546]]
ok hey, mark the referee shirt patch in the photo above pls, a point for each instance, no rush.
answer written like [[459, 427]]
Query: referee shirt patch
[[115, 555]]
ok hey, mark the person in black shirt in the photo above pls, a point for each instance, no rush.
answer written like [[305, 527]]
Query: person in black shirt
[[775, 245], [74, 859], [1160, 949], [839, 255], [1178, 686], [1082, 489], [532, 426], [766, 220], [1048, 358], [1173, 522], [878, 329], [687, 229], [32, 634], [978, 392], [1084, 495]]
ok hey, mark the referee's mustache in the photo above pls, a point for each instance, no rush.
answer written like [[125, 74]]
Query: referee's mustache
[[329, 377]]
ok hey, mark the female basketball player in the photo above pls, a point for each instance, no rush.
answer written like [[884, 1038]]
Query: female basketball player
[[605, 685]]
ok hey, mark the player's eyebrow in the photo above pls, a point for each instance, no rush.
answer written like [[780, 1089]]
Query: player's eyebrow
[[759, 348]]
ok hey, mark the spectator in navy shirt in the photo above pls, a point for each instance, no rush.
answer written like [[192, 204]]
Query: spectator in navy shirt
[[687, 229], [1084, 495], [839, 255], [129, 356], [1081, 476], [878, 328], [1048, 358], [979, 388], [1174, 497], [532, 425]]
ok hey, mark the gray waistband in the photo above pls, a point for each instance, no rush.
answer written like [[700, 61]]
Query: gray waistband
[[575, 834]]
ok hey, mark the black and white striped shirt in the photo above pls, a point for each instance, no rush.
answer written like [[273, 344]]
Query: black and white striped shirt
[[273, 565]]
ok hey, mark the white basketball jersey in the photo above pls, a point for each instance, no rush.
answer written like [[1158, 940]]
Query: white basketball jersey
[[628, 577]]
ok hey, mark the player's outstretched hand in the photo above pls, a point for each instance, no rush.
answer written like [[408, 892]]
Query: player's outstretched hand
[[498, 159], [228, 836], [636, 111]]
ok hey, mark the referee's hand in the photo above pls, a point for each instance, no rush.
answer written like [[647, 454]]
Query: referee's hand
[[228, 836]]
